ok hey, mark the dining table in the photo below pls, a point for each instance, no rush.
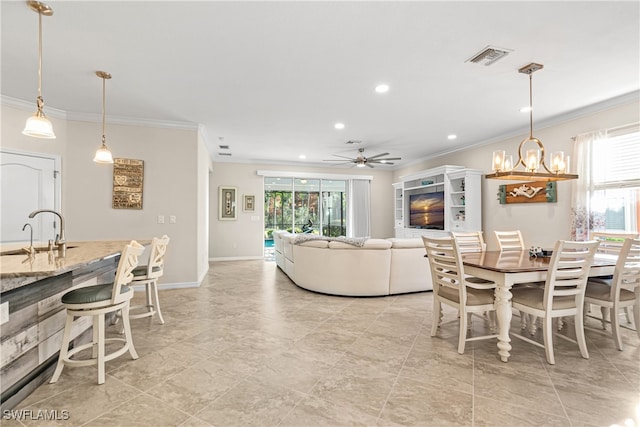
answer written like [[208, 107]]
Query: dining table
[[510, 268]]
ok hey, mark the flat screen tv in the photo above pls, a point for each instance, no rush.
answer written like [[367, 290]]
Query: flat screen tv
[[426, 210]]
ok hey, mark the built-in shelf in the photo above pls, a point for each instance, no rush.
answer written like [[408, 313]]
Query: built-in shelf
[[462, 199]]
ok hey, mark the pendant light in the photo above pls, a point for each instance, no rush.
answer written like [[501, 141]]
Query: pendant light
[[38, 125], [533, 163], [103, 155]]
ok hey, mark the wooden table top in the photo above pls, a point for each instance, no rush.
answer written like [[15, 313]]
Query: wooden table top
[[520, 261]]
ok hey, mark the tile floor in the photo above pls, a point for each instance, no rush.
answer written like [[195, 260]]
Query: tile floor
[[250, 348]]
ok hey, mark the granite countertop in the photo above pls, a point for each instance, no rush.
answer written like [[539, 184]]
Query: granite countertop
[[19, 270]]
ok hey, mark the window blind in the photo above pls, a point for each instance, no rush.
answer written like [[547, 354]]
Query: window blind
[[616, 159]]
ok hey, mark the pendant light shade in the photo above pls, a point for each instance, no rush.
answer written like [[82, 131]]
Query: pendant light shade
[[103, 155], [38, 125]]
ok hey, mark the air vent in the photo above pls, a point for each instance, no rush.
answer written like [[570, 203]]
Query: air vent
[[223, 147], [353, 142], [489, 55], [224, 154]]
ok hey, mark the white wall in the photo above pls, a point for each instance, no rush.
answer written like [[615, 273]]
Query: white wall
[[174, 174], [541, 223], [244, 238], [205, 167]]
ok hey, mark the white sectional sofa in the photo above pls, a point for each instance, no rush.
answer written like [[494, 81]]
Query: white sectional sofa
[[378, 267]]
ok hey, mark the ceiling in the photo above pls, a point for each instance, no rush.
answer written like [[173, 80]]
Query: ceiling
[[270, 79]]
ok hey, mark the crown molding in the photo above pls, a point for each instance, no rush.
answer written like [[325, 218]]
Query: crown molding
[[607, 104], [97, 118]]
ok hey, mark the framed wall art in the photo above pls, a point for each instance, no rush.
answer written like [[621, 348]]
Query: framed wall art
[[227, 200], [128, 176], [249, 203]]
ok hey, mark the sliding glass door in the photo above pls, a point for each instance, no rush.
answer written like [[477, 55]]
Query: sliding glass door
[[301, 205]]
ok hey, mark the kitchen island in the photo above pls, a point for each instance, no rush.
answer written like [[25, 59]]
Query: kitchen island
[[32, 315]]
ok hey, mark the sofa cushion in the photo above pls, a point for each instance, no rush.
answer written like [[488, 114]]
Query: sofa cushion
[[406, 243], [315, 243]]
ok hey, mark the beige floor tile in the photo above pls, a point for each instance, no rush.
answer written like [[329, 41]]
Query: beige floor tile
[[248, 347]]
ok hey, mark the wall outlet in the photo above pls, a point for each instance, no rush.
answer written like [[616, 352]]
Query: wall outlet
[[160, 219], [172, 219]]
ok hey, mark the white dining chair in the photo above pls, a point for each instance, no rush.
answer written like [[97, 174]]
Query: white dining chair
[[610, 244], [451, 287], [562, 294], [620, 292], [509, 240]]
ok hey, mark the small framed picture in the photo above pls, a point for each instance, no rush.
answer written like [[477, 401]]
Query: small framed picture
[[249, 203], [227, 200]]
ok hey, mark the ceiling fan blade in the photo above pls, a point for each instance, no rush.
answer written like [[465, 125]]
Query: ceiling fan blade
[[344, 157], [338, 160], [377, 155], [384, 160]]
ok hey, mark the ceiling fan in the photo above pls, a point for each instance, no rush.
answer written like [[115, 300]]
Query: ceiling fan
[[361, 161]]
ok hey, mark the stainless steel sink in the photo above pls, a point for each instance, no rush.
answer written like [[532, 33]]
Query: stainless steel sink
[[37, 249]]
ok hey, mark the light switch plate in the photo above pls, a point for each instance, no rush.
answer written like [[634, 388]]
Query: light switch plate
[[172, 219], [160, 219]]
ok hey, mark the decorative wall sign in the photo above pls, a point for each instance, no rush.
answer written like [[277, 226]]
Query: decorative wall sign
[[128, 175], [528, 192], [249, 203], [227, 200]]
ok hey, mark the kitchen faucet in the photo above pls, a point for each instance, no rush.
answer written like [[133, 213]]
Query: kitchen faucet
[[30, 249], [60, 239]]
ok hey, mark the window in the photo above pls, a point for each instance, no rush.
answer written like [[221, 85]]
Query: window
[[608, 190]]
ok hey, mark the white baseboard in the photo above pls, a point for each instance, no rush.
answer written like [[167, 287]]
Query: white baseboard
[[239, 258]]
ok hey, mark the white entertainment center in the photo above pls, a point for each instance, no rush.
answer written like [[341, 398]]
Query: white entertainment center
[[455, 187]]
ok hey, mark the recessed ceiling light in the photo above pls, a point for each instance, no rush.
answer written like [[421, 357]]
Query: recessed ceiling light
[[339, 126], [452, 136], [382, 88], [302, 156], [525, 109]]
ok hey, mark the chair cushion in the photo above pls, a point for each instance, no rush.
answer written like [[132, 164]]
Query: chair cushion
[[91, 294], [474, 296], [533, 297], [601, 291], [141, 270], [602, 279]]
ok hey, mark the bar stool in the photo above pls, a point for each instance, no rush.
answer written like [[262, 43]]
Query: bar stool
[[97, 301], [148, 276]]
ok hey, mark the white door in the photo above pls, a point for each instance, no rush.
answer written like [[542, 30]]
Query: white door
[[27, 182]]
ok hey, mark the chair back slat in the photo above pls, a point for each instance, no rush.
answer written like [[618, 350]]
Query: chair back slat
[[124, 273], [627, 272], [509, 240], [156, 257], [611, 243], [469, 242], [446, 265], [569, 270]]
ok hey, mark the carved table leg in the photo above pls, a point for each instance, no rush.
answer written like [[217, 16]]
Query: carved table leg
[[503, 313]]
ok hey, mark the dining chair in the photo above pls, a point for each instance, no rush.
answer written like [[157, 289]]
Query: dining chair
[[512, 242], [473, 242], [97, 301], [148, 276], [562, 295], [610, 244], [451, 287], [469, 241], [509, 240], [620, 292]]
